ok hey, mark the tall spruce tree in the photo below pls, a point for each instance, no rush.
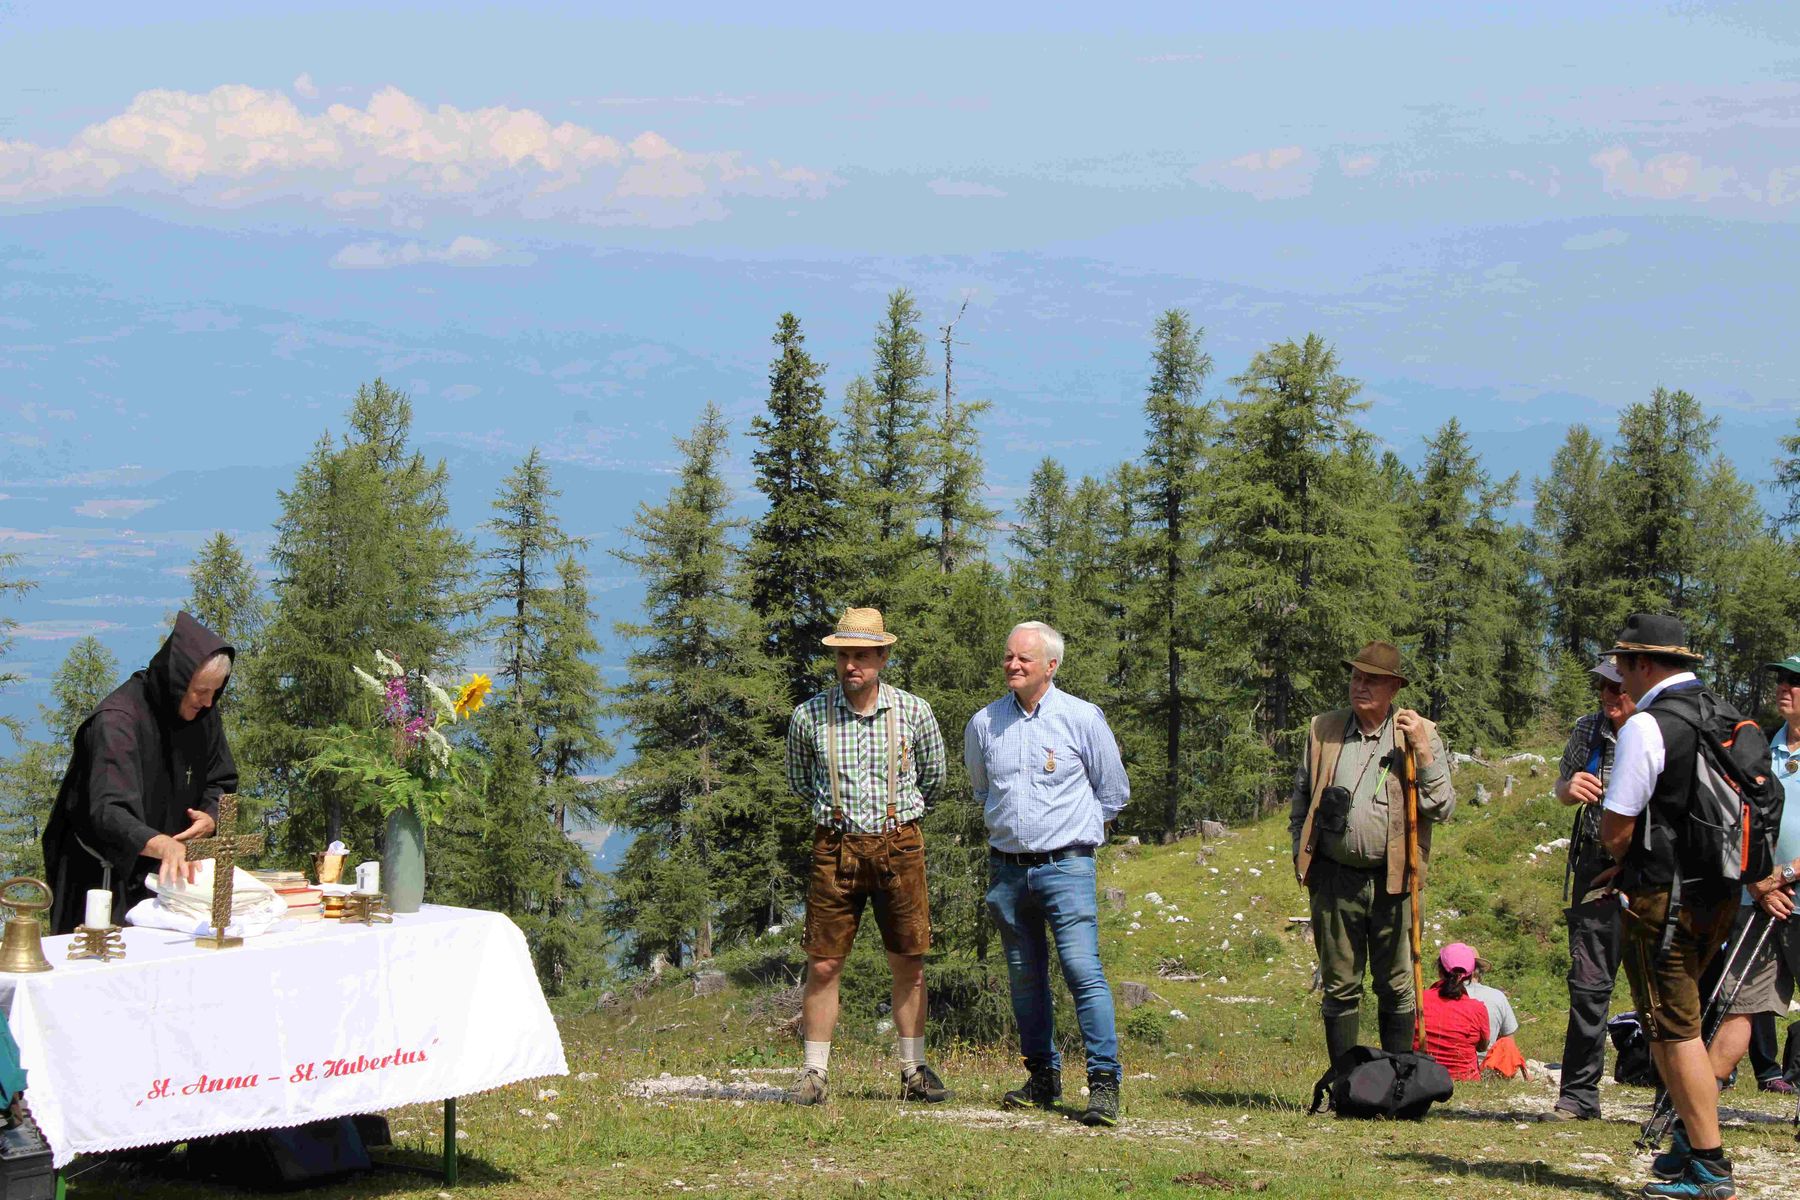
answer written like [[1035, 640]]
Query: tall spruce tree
[[11, 586], [1578, 531], [796, 558], [1169, 543], [1308, 562], [1742, 601], [528, 541], [955, 472], [700, 705], [225, 595], [1787, 482], [1655, 479], [887, 453], [1461, 556], [365, 558]]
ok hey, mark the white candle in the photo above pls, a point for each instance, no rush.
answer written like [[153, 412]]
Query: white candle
[[99, 908]]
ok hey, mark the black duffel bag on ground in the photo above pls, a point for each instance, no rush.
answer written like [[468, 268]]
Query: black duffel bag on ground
[[1369, 1083]]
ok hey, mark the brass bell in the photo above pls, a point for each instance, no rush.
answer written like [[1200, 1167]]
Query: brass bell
[[22, 948]]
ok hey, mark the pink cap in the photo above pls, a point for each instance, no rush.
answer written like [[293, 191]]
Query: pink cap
[[1458, 958]]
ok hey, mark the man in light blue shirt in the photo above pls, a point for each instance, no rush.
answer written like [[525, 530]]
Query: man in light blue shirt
[[1046, 769], [1769, 986]]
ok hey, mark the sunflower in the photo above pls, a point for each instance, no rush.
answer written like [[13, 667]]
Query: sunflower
[[473, 694]]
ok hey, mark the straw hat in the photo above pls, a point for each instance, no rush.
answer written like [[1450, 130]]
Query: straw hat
[[1378, 658], [1652, 633], [860, 627]]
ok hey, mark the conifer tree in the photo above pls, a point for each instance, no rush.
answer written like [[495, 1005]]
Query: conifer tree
[[700, 704], [1308, 562], [797, 548], [29, 781], [11, 585], [528, 542], [955, 472], [1578, 532], [365, 558], [1167, 547], [226, 597], [1742, 601], [1461, 558], [1787, 482], [1655, 479]]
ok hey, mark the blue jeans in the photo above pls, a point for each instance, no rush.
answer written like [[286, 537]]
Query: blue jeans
[[1062, 895]]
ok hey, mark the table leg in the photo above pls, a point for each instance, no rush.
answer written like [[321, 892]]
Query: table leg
[[449, 1143], [62, 1186]]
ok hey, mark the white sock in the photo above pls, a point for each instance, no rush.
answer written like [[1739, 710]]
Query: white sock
[[912, 1053], [818, 1056]]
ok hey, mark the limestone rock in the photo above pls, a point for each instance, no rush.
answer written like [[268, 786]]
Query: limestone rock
[[1132, 994], [709, 983]]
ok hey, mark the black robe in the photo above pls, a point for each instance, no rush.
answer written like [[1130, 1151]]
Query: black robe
[[135, 770]]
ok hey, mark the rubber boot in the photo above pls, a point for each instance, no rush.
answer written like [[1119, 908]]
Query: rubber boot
[[1397, 1032], [1341, 1033]]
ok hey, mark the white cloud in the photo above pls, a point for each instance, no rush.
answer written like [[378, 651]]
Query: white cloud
[[1598, 240], [1279, 173], [963, 188], [1358, 165], [1675, 176], [460, 251], [113, 510], [304, 87], [238, 145]]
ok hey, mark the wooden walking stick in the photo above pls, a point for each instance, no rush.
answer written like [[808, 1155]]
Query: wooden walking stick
[[1409, 790]]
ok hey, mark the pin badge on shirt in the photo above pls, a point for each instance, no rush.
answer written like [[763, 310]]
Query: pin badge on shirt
[[1791, 765], [1050, 758]]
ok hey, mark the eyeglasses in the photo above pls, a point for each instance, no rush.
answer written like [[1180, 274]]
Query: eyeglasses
[[1609, 688], [1787, 679]]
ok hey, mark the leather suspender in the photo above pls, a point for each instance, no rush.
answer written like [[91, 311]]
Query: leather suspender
[[838, 818]]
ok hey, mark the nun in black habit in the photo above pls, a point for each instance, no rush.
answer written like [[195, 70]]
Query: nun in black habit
[[144, 778]]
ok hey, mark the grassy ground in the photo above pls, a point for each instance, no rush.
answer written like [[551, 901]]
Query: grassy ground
[[1215, 1096]]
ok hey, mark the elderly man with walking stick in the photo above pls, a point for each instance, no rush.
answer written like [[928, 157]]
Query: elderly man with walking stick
[[1367, 791]]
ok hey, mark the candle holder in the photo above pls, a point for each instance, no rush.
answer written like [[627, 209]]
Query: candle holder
[[104, 943], [369, 908]]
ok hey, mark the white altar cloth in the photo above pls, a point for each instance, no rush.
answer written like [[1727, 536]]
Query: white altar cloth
[[314, 1020]]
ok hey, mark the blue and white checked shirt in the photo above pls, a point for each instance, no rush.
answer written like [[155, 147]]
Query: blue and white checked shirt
[[1047, 780]]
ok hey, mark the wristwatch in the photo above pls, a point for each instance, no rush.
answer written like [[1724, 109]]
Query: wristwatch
[[1788, 874]]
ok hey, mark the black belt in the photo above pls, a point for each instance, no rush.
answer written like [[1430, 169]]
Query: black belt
[[1041, 857]]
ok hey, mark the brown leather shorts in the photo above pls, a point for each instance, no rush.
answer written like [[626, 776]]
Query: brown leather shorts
[[1666, 987], [851, 868]]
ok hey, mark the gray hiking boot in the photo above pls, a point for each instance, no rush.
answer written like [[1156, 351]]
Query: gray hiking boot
[[1103, 1101], [922, 1083], [1042, 1090], [808, 1089]]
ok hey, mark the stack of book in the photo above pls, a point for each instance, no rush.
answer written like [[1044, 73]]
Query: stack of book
[[304, 901]]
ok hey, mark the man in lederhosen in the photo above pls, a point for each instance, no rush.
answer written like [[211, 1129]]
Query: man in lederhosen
[[868, 757]]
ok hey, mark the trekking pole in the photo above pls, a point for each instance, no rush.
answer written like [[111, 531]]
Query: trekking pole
[[1409, 789], [1662, 1114]]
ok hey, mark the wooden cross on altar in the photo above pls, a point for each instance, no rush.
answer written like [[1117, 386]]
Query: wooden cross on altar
[[223, 848]]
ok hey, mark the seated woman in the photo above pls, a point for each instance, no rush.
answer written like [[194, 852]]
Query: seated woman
[[1456, 1024]]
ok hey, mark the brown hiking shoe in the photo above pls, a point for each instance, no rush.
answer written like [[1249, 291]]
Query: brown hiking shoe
[[922, 1083], [808, 1089]]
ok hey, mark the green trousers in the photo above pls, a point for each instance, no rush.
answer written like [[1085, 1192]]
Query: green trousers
[[1357, 925]]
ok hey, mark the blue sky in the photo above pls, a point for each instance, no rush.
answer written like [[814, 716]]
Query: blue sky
[[560, 228]]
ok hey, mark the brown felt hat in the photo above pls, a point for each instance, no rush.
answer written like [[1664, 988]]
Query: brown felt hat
[[1378, 658], [860, 627]]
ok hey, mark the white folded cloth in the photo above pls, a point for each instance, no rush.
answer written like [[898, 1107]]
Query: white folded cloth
[[187, 907]]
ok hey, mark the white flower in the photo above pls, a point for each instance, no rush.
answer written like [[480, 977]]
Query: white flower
[[548, 1093], [441, 698], [1135, 925], [552, 1117], [526, 1112], [369, 681], [388, 664], [439, 747]]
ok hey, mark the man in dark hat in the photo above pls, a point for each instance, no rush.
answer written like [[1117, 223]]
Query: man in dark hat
[[145, 776], [1347, 819], [1593, 912], [1667, 945]]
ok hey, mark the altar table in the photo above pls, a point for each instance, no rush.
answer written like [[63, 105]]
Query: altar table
[[309, 1021]]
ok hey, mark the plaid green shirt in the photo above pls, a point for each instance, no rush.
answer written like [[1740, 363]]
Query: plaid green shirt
[[862, 753]]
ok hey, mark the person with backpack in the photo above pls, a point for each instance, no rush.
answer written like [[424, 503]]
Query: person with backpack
[[1685, 815], [1347, 819], [1768, 985], [1593, 912]]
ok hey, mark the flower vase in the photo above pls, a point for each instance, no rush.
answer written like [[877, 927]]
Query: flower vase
[[403, 861]]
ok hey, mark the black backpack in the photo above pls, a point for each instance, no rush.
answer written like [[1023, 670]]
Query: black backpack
[[1367, 1083], [1734, 813], [1634, 1066]]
